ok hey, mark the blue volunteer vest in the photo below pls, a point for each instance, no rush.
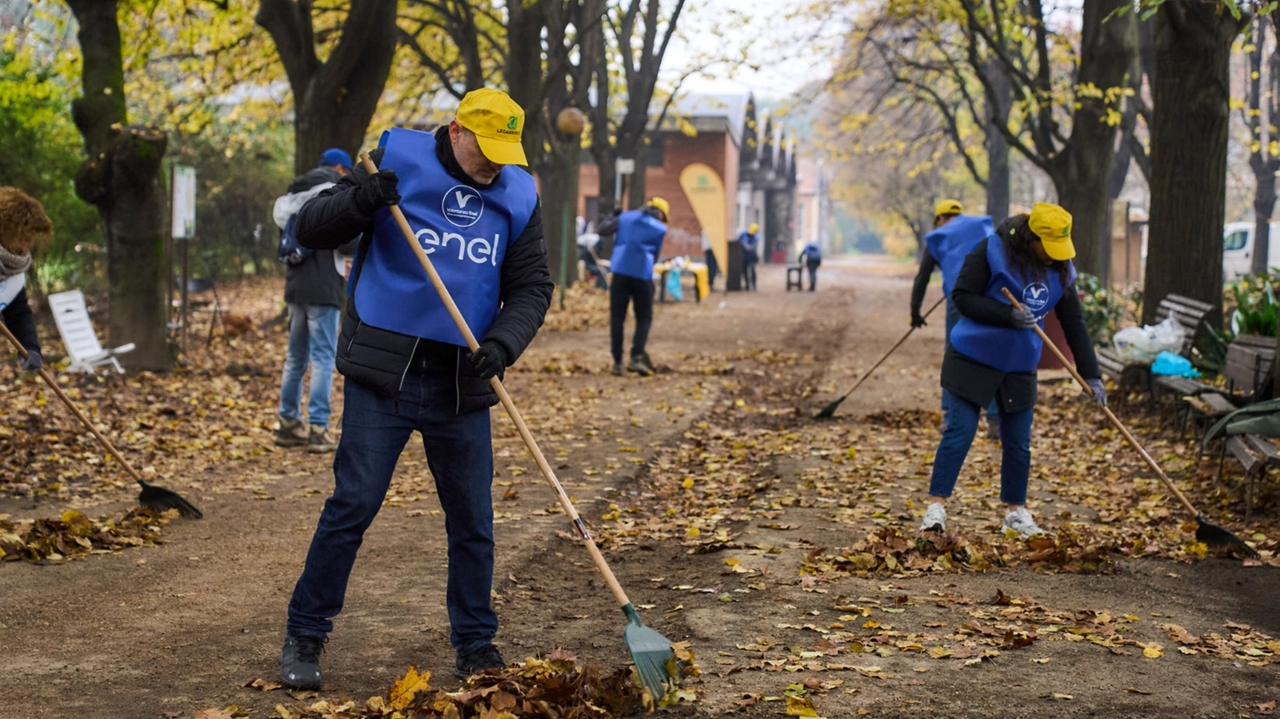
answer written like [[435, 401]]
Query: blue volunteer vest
[[10, 287], [463, 230], [1006, 348], [950, 243], [637, 245]]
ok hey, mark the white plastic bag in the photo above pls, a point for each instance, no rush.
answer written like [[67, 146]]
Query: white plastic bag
[[1142, 344]]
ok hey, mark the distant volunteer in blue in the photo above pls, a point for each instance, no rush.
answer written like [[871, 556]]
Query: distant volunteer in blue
[[811, 258], [405, 362], [636, 246], [954, 236], [994, 350]]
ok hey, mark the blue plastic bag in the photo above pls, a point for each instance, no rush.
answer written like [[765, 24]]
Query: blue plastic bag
[[672, 278], [1170, 364]]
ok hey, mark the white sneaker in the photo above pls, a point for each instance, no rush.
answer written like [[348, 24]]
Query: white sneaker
[[935, 518], [1020, 521]]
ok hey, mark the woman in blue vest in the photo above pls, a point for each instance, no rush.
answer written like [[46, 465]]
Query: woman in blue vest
[[22, 224], [638, 241], [406, 365], [750, 239], [994, 351]]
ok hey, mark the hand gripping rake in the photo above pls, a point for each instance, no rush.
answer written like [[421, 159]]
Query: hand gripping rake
[[1207, 532], [652, 652]]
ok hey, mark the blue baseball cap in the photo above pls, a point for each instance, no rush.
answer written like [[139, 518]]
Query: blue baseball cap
[[335, 156]]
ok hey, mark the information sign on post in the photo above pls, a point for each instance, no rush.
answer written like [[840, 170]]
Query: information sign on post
[[184, 202], [622, 166]]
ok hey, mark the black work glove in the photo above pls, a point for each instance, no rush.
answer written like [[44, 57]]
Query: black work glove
[[377, 191], [489, 360], [1022, 318], [917, 321], [33, 362]]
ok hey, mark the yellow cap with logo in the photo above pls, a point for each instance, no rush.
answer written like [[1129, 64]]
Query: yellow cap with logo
[[947, 207], [497, 122], [661, 204], [1052, 225]]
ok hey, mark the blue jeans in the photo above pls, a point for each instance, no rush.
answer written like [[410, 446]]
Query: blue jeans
[[459, 451], [957, 436], [953, 316], [313, 339]]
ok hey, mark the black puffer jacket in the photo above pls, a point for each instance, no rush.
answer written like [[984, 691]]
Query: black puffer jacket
[[379, 359]]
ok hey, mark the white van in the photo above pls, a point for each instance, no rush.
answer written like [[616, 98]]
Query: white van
[[1237, 249]]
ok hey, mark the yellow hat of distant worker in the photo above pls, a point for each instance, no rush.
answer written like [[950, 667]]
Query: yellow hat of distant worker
[[948, 207], [1052, 225], [661, 204], [498, 123], [753, 228]]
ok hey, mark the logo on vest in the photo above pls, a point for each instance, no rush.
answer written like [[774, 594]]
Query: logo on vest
[[462, 205], [1035, 296], [476, 249]]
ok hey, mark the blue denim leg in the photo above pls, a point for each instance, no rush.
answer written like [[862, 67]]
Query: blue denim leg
[[957, 436], [322, 324], [1015, 464], [295, 364], [460, 455], [374, 432]]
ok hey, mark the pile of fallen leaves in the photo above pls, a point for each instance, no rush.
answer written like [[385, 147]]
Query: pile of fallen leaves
[[1073, 548], [75, 535], [585, 306], [552, 687]]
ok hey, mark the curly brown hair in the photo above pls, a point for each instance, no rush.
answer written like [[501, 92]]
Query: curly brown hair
[[23, 223]]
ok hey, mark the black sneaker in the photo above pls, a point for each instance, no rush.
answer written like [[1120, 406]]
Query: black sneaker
[[641, 366], [617, 369], [291, 433], [300, 662], [477, 660]]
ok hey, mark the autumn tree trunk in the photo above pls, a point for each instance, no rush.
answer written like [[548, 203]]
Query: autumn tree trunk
[[1191, 95], [1262, 111], [334, 100], [1107, 48], [997, 146], [121, 177]]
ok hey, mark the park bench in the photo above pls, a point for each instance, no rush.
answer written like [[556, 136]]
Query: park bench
[[72, 317], [1131, 377], [1246, 370], [795, 277], [1255, 454]]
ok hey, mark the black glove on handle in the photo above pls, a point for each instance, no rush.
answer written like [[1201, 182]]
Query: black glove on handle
[[33, 362], [377, 191], [489, 360], [917, 320]]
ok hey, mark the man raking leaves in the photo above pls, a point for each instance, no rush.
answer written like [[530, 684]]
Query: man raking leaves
[[403, 349]]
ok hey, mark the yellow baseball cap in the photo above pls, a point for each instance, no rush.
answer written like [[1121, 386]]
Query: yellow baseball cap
[[948, 207], [1052, 225], [662, 205], [753, 228], [497, 121]]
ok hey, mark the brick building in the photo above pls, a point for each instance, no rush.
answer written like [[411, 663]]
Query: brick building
[[722, 131]]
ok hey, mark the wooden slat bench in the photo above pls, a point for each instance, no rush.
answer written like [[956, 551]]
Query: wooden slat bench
[[1255, 454], [1136, 377]]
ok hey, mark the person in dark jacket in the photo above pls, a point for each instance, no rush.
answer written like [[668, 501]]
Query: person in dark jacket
[[954, 236], [635, 250], [406, 364], [314, 290], [750, 239], [811, 258], [23, 223], [994, 350]]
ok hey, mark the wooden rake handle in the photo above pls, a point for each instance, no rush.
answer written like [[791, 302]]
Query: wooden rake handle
[[507, 404], [48, 378], [1155, 466], [892, 349]]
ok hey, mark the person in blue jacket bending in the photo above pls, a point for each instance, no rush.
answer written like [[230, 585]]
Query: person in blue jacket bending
[[954, 235], [635, 250], [994, 349]]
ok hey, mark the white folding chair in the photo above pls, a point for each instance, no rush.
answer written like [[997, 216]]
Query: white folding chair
[[72, 316]]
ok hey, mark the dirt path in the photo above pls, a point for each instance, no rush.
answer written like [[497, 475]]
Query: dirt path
[[169, 630]]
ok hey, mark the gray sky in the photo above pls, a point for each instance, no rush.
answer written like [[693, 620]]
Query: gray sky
[[780, 46]]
